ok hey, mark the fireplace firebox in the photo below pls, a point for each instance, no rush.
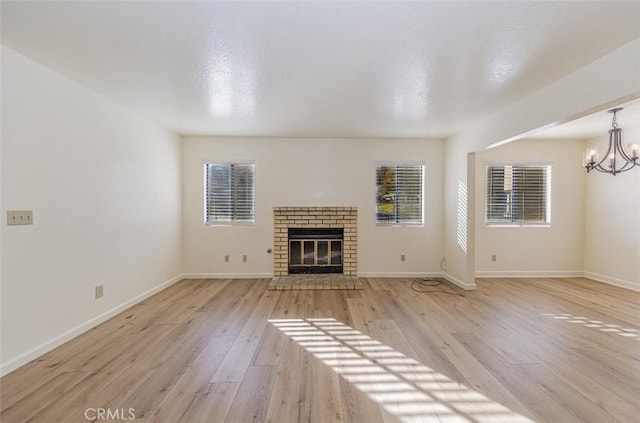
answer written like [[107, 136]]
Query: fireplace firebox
[[315, 250]]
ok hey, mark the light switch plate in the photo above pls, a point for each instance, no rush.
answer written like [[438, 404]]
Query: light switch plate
[[99, 291], [19, 217]]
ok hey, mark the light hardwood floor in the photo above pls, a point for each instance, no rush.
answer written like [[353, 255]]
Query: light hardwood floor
[[546, 350]]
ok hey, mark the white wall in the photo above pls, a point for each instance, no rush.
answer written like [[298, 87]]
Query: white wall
[[104, 186], [583, 92], [459, 225], [311, 172], [554, 250], [612, 221]]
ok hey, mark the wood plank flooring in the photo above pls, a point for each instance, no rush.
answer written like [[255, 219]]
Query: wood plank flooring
[[543, 350]]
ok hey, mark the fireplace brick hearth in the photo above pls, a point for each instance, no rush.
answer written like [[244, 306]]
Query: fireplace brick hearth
[[315, 217]]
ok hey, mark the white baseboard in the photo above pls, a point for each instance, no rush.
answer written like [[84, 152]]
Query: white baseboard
[[400, 274], [529, 273], [468, 286], [634, 286], [610, 280], [227, 276], [464, 285], [45, 347]]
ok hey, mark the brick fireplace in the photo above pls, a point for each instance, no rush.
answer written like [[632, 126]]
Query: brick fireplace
[[285, 218]]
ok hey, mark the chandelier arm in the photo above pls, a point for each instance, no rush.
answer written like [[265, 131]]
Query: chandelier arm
[[627, 166], [623, 168], [618, 140], [598, 165], [601, 169], [630, 164]]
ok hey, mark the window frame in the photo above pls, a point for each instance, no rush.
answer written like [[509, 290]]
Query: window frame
[[548, 168], [395, 221], [233, 221]]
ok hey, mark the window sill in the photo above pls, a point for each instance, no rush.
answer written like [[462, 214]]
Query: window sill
[[518, 225], [223, 224], [400, 225]]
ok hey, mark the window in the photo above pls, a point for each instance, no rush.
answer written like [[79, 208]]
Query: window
[[399, 190], [518, 194], [229, 193]]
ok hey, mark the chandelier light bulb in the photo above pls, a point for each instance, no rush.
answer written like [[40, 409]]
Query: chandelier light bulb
[[591, 156]]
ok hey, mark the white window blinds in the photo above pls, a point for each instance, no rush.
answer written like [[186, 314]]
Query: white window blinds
[[518, 194], [399, 193], [229, 193]]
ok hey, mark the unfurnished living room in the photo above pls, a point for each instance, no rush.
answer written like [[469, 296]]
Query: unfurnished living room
[[320, 211]]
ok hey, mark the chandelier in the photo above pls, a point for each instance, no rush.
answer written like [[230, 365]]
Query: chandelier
[[615, 160]]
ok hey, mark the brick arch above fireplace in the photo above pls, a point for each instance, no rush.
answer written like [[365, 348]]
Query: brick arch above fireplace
[[315, 217]]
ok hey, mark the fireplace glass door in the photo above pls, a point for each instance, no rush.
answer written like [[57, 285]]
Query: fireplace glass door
[[315, 253]]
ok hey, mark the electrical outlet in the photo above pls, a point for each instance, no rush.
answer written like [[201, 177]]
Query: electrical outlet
[[226, 259], [403, 257], [19, 217], [99, 290], [493, 257], [244, 258]]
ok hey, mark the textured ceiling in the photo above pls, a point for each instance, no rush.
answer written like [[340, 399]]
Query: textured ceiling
[[594, 125], [317, 69]]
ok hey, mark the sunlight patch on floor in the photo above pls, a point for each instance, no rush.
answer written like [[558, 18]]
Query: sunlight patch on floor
[[401, 385], [595, 324]]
